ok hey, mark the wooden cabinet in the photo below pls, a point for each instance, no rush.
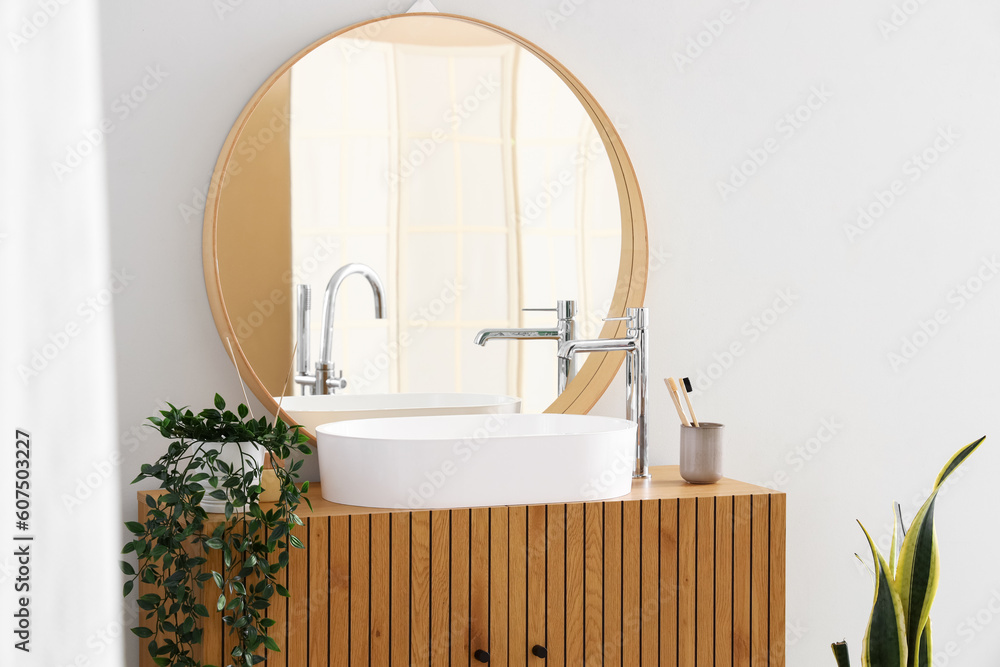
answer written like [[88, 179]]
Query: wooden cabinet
[[671, 575]]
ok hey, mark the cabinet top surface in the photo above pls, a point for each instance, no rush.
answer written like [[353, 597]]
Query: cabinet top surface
[[665, 484]]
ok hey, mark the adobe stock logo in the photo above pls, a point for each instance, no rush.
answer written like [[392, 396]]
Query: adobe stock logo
[[785, 128], [913, 169], [31, 25], [957, 298], [87, 311], [123, 106]]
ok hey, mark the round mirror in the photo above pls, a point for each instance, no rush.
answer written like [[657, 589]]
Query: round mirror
[[418, 205]]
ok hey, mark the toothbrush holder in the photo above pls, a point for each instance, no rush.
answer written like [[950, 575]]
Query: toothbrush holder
[[701, 453]]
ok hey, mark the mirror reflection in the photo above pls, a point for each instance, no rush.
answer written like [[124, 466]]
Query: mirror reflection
[[403, 192]]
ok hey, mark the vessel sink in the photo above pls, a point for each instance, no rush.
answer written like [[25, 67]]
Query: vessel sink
[[475, 460], [311, 411]]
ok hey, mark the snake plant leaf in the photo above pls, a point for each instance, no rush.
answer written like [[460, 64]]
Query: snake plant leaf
[[924, 654], [885, 639], [840, 653], [892, 549], [917, 572]]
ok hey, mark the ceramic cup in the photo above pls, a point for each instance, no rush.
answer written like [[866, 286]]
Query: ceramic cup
[[701, 453], [231, 453]]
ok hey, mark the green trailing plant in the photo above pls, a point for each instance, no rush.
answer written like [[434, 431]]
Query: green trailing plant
[[899, 628], [176, 535]]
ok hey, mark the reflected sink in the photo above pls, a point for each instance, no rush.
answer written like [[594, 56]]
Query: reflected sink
[[475, 460], [311, 411]]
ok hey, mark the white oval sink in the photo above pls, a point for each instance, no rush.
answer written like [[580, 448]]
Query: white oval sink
[[311, 411], [475, 460]]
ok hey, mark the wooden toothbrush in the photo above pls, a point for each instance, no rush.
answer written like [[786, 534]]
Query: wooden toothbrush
[[686, 388], [672, 386]]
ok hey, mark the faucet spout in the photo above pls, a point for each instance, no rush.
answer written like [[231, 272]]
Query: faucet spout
[[330, 302], [519, 334], [569, 348], [565, 330]]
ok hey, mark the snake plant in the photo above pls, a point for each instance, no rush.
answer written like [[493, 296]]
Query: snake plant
[[899, 628]]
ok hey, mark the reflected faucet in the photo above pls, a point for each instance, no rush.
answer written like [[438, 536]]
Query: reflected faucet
[[323, 380], [565, 330], [636, 364]]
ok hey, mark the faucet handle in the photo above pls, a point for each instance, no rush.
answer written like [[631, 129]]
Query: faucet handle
[[636, 317], [337, 382], [566, 309]]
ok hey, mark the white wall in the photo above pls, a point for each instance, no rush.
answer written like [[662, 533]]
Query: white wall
[[724, 261]]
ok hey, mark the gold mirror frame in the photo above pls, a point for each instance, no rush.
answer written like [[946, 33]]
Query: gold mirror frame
[[600, 368]]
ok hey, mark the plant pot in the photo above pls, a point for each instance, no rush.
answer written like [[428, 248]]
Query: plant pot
[[232, 453]]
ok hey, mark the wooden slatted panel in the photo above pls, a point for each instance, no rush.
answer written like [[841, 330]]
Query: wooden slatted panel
[[252, 581], [146, 660], [278, 612], [420, 588], [632, 611], [498, 585], [687, 593], [650, 595], [340, 592], [381, 573], [460, 653], [723, 581], [555, 585], [360, 588], [212, 649], [536, 581], [215, 629], [669, 518], [399, 594], [710, 569], [319, 590], [298, 602], [440, 593], [479, 582], [777, 580], [760, 572], [612, 584], [594, 584], [229, 640], [575, 590], [517, 586], [706, 581], [742, 546]]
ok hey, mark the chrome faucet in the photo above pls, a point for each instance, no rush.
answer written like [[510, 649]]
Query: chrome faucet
[[324, 380], [565, 330], [636, 363]]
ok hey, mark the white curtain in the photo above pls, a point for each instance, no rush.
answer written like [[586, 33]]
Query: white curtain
[[57, 290]]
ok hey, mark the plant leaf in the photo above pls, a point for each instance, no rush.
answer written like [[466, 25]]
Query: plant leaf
[[918, 569], [885, 640], [840, 653], [892, 548], [924, 655]]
